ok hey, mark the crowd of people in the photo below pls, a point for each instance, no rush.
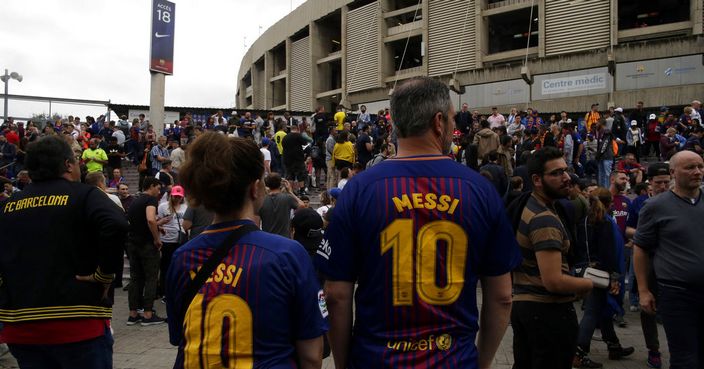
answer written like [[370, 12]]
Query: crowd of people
[[418, 204]]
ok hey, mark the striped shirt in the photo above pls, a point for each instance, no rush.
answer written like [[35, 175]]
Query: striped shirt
[[540, 230]]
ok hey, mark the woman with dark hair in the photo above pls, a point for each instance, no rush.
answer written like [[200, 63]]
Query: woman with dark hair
[[603, 247], [262, 298]]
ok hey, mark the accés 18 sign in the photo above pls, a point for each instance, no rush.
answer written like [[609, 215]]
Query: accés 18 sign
[[162, 37]]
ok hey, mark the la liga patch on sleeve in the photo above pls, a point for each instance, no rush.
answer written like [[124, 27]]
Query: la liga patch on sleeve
[[322, 304]]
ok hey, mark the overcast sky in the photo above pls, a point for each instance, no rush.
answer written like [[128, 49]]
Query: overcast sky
[[99, 50]]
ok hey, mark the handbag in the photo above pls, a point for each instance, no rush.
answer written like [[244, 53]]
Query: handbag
[[600, 278], [182, 235], [191, 289]]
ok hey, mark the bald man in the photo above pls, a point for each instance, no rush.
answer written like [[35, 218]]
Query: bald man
[[669, 229]]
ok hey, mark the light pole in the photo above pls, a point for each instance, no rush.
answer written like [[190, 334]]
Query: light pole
[[6, 78]]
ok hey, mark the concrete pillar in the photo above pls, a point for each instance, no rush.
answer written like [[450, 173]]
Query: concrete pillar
[[156, 102], [426, 36], [268, 73], [696, 16], [343, 43], [541, 28], [288, 73], [482, 32], [316, 52]]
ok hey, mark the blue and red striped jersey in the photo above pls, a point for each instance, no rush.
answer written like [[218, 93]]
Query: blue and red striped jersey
[[416, 234], [261, 299]]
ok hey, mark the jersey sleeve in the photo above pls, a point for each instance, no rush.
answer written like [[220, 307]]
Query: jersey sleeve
[[335, 256], [502, 254], [633, 211], [309, 308]]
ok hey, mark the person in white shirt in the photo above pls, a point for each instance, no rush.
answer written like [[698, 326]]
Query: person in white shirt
[[344, 177], [170, 222], [120, 136], [177, 156], [513, 117], [496, 119], [267, 155]]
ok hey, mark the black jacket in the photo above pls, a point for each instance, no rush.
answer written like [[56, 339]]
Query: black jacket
[[51, 232]]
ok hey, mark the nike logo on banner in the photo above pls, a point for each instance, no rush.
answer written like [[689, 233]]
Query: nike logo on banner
[[157, 35]]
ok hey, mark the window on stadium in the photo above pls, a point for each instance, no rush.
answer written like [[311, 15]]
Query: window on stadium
[[509, 31], [413, 57], [647, 13]]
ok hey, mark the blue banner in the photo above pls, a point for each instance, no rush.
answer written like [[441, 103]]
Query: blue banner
[[162, 46]]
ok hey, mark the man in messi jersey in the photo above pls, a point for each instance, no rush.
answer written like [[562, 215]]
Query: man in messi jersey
[[262, 307], [416, 233]]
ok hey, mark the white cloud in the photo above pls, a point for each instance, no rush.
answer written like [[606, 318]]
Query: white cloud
[[99, 50]]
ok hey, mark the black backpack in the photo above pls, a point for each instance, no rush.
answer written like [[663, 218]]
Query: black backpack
[[514, 209]]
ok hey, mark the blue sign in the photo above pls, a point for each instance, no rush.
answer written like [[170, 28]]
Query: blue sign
[[162, 48]]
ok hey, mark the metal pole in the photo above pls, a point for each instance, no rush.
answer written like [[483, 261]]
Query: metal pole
[[49, 109], [7, 79]]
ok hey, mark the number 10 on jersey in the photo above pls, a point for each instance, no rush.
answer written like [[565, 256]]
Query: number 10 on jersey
[[398, 237]]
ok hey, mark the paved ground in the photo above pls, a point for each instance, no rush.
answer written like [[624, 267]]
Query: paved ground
[[148, 347]]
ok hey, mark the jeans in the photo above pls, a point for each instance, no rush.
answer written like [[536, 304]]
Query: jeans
[[95, 353], [604, 172], [544, 335], [144, 271], [682, 311], [594, 305]]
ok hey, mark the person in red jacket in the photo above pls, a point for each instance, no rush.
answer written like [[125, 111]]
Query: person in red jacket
[[652, 136]]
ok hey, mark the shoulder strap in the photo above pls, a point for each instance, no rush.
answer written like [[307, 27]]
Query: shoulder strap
[[209, 266]]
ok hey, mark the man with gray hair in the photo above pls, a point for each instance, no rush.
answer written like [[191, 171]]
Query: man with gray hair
[[407, 314], [669, 229]]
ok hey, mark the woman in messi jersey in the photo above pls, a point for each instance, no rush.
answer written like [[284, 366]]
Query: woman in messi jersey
[[262, 307]]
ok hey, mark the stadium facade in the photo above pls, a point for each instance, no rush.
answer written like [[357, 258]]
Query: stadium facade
[[551, 55]]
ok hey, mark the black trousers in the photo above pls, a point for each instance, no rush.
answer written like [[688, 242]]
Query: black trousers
[[144, 274], [682, 311], [544, 335], [167, 250]]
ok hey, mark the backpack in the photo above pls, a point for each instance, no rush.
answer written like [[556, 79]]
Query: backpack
[[514, 209], [378, 158]]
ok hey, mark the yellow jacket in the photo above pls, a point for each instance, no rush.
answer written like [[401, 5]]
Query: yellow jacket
[[343, 151]]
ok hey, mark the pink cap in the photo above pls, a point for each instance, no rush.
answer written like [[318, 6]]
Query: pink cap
[[177, 191]]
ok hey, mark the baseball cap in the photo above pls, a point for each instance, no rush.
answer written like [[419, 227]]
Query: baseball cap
[[652, 116], [177, 191], [664, 108], [595, 104], [266, 141], [634, 122], [308, 227], [335, 192], [620, 110], [658, 169]]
